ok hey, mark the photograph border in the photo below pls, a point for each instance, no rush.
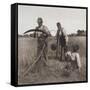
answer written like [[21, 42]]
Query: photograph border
[[14, 43]]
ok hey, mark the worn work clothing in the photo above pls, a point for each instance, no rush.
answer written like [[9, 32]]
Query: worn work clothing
[[43, 28], [61, 37], [42, 41], [76, 59], [62, 41]]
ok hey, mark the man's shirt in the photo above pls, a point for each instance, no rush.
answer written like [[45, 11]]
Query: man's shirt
[[59, 33], [43, 28]]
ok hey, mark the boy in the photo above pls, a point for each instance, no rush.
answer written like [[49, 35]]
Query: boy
[[73, 59]]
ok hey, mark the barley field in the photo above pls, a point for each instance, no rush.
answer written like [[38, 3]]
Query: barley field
[[53, 71]]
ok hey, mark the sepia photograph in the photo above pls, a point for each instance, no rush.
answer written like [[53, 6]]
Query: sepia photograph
[[52, 44]]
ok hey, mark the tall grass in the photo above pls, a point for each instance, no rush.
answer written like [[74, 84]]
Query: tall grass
[[27, 51]]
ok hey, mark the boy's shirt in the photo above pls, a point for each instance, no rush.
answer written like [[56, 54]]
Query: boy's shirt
[[76, 56]]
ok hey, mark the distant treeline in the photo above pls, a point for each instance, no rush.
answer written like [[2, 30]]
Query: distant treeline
[[79, 33]]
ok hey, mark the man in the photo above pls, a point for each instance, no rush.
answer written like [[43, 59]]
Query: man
[[62, 40], [42, 38]]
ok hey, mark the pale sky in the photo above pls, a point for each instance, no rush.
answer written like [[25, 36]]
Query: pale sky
[[71, 19]]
